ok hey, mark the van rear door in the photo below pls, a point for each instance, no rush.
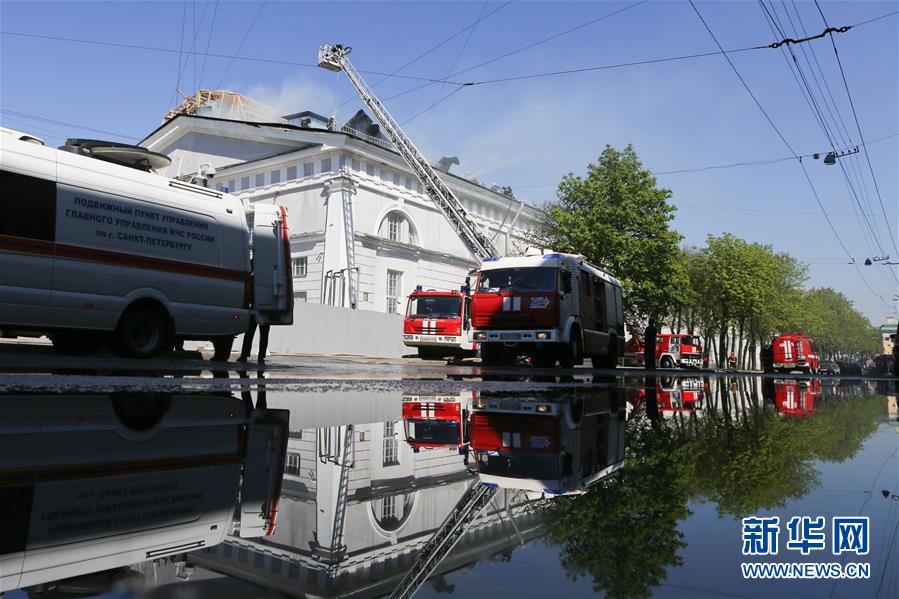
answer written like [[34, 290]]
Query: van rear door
[[273, 280], [263, 471]]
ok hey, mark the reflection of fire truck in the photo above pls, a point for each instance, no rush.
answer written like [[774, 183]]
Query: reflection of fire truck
[[437, 421], [438, 324], [680, 394], [791, 351], [796, 397], [674, 350], [549, 307], [554, 447]]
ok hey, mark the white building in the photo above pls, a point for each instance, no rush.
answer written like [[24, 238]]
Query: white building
[[400, 238]]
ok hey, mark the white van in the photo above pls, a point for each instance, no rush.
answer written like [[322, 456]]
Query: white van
[[95, 246], [89, 483]]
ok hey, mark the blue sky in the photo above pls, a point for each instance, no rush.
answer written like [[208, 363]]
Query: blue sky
[[526, 133]]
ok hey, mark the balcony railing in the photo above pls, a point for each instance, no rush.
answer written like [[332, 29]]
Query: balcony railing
[[369, 138]]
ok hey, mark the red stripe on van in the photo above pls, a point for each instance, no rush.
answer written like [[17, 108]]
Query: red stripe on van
[[75, 252]]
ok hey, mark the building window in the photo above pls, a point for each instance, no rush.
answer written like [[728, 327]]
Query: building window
[[356, 165], [231, 185], [308, 169], [396, 179], [391, 445], [385, 175], [244, 183], [366, 297], [394, 285], [291, 173], [395, 227], [260, 179], [300, 266], [326, 165], [408, 183], [388, 509], [341, 161], [299, 296], [369, 169], [292, 464], [418, 187], [275, 176]]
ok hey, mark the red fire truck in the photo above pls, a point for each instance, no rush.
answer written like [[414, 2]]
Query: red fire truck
[[432, 421], [438, 324], [792, 351], [550, 307], [557, 447], [673, 395], [797, 398], [674, 350]]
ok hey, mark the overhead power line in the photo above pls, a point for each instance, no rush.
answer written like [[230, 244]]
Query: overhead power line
[[240, 45], [63, 123], [786, 143]]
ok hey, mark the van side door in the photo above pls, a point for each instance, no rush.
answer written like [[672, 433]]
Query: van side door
[[272, 276], [27, 233]]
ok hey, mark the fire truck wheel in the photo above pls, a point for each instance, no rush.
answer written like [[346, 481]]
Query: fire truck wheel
[[572, 354], [427, 353], [491, 354], [667, 362]]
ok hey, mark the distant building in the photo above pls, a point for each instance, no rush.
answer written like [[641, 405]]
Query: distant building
[[316, 169], [887, 329]]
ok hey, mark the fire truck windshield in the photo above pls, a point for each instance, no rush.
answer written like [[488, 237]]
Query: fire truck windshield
[[537, 278], [439, 432], [434, 306], [688, 340], [543, 466]]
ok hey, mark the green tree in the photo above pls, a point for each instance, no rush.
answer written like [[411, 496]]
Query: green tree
[[619, 219]]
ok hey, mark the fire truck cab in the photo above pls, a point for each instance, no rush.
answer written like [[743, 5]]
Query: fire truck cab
[[674, 350], [792, 351], [434, 421], [797, 398], [681, 394], [550, 307], [438, 324], [552, 446]]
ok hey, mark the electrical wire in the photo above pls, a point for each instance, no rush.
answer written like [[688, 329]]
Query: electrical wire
[[65, 124], [240, 45], [857, 125], [789, 147], [208, 42]]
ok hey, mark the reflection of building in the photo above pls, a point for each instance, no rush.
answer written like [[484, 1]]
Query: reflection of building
[[887, 329], [358, 504]]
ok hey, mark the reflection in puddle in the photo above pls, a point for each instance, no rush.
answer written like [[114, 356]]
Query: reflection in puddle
[[383, 490]]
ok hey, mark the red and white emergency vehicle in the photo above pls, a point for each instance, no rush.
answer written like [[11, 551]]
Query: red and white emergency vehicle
[[798, 398], [675, 350], [550, 307], [673, 395], [438, 324], [94, 482], [793, 351], [433, 421], [556, 447]]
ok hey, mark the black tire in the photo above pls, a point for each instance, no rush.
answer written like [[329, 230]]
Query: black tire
[[222, 346], [142, 333], [572, 353], [491, 354], [666, 362], [140, 411], [76, 343], [608, 361]]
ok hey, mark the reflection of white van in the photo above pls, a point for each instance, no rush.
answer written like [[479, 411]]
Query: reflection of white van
[[92, 243], [89, 483]]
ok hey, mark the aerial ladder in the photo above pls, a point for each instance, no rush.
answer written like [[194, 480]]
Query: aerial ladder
[[335, 57], [445, 538]]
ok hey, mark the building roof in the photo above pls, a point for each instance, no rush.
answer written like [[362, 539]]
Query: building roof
[[360, 137]]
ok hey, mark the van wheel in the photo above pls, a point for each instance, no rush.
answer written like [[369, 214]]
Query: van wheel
[[76, 344], [222, 347], [142, 333], [572, 353], [142, 411]]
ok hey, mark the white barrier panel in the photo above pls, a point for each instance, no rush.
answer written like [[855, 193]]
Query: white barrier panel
[[322, 329]]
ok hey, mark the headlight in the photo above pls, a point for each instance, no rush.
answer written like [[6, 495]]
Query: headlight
[[543, 408], [543, 335], [480, 336], [407, 337]]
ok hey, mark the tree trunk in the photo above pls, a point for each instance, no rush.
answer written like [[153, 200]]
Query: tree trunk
[[722, 343], [741, 353]]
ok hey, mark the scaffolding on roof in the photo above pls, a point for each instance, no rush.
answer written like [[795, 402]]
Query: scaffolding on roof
[[224, 105]]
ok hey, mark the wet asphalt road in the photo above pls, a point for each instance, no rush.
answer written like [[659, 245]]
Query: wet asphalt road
[[29, 366]]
